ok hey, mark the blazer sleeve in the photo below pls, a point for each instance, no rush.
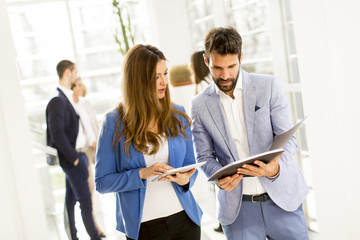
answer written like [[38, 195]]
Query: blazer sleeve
[[189, 153], [281, 122], [204, 145], [56, 126], [109, 176]]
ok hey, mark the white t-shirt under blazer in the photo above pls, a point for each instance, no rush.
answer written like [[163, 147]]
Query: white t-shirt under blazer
[[160, 197]]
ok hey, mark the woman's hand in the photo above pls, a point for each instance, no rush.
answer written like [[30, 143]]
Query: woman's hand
[[155, 169], [180, 178]]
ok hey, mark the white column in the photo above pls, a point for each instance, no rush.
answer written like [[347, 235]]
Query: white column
[[22, 211], [327, 38], [169, 29]]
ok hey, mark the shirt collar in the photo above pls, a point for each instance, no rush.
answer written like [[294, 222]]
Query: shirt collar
[[238, 86], [68, 93]]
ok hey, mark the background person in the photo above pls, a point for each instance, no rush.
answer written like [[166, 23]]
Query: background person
[[200, 72], [62, 132], [89, 130], [238, 116], [142, 138]]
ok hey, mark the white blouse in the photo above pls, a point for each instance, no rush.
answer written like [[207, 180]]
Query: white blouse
[[160, 197]]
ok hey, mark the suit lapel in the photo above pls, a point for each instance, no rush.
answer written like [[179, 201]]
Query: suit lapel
[[249, 100], [216, 112], [67, 101]]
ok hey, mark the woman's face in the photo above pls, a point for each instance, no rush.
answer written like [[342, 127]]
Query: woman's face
[[78, 89], [161, 78]]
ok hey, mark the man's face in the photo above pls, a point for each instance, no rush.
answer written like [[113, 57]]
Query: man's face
[[224, 70], [73, 75]]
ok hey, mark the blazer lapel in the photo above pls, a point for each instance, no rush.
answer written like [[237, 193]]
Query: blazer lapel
[[249, 100], [215, 109], [172, 156], [67, 101]]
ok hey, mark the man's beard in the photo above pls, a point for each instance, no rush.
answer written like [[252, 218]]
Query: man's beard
[[227, 88]]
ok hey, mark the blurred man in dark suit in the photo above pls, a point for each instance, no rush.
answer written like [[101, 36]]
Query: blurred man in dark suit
[[62, 131]]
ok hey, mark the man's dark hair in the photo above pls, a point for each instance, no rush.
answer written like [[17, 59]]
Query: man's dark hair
[[62, 66], [223, 41]]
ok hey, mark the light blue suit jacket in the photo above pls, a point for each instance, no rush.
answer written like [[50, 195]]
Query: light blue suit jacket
[[267, 115], [116, 172]]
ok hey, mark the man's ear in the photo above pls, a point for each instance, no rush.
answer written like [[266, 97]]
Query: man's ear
[[66, 72], [206, 60], [241, 57]]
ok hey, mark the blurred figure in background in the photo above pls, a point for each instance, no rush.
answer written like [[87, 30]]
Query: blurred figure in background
[[200, 72], [89, 130], [62, 133]]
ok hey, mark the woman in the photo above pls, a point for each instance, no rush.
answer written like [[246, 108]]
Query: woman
[[142, 138], [200, 72]]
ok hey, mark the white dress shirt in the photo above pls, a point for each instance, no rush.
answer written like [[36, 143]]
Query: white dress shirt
[[68, 93], [160, 197], [234, 114]]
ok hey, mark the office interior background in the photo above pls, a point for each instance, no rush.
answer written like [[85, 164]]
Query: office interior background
[[311, 46]]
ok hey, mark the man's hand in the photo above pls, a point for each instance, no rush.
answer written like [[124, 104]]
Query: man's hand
[[155, 169], [180, 178], [76, 162], [264, 170], [230, 182]]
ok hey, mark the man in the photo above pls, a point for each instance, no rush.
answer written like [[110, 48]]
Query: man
[[238, 116], [62, 131], [87, 137]]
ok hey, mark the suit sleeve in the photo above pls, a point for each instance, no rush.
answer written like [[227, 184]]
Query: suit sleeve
[[204, 145], [56, 120], [281, 122], [107, 177]]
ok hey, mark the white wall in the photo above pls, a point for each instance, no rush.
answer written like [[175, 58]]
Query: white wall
[[22, 212], [169, 27], [328, 40]]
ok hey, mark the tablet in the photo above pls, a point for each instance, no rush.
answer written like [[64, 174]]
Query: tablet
[[180, 169]]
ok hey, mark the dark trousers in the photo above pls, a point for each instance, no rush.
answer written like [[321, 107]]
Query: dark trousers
[[174, 227], [77, 189]]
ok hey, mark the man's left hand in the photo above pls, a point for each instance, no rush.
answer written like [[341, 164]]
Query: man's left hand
[[263, 169]]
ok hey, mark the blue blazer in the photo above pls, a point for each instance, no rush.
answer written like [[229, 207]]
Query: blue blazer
[[116, 172], [267, 115], [62, 128]]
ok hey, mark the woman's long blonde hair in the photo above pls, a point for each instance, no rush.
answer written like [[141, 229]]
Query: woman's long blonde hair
[[141, 105]]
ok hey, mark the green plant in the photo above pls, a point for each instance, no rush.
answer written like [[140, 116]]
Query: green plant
[[125, 40]]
